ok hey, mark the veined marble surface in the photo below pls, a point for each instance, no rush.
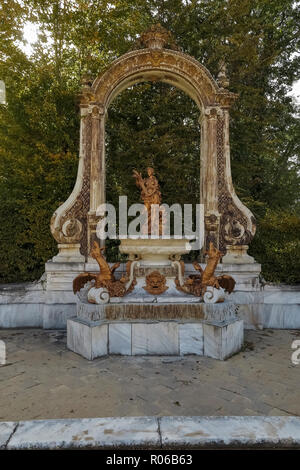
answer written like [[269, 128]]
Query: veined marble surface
[[93, 339], [120, 338], [222, 341], [177, 432], [191, 339], [84, 433], [6, 430]]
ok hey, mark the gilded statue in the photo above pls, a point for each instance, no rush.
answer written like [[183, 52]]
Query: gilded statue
[[105, 278], [150, 194], [197, 284]]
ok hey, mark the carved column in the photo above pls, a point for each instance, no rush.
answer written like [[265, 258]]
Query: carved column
[[97, 171], [69, 222], [237, 224], [208, 175]]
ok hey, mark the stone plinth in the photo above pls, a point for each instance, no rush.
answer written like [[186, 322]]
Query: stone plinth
[[214, 331], [237, 254], [222, 340]]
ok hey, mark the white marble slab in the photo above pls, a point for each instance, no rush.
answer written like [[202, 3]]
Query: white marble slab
[[155, 338], [90, 340], [243, 298], [56, 315], [119, 338], [252, 315], [6, 430], [282, 297], [281, 316], [222, 341], [99, 340], [79, 338], [191, 338], [84, 433], [178, 432], [231, 431], [21, 315]]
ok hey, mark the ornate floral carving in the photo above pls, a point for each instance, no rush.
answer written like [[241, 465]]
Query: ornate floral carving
[[155, 283], [172, 62], [156, 57], [71, 226], [233, 223], [211, 222]]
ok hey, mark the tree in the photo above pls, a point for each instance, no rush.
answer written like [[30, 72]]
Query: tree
[[39, 127]]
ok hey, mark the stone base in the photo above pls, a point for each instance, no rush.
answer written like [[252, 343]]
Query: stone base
[[223, 340], [92, 339], [89, 339], [69, 253], [237, 255]]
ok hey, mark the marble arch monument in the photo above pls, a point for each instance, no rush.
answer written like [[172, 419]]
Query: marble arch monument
[[228, 223]]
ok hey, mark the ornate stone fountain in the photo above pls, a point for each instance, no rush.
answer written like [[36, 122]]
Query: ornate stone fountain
[[228, 224], [153, 308]]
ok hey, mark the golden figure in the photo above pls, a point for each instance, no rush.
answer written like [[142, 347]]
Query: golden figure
[[105, 278], [150, 194], [197, 284]]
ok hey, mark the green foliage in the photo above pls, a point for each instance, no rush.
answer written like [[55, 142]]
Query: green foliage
[[154, 124], [277, 246], [150, 123]]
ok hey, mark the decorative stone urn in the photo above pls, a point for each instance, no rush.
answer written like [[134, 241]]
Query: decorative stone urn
[[154, 251]]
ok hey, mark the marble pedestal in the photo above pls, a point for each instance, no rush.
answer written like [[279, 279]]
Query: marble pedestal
[[214, 331], [54, 302]]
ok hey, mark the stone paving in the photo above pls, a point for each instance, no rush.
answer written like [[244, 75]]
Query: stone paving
[[43, 379]]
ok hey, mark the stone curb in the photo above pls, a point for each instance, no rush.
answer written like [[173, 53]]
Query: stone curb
[[171, 432]]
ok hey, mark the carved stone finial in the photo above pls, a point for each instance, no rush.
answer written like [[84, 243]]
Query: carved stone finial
[[86, 82], [157, 37], [85, 93], [222, 79]]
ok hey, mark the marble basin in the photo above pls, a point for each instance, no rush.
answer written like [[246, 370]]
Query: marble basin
[[156, 251]]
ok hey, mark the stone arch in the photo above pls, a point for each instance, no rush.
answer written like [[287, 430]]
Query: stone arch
[[169, 66], [228, 223]]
